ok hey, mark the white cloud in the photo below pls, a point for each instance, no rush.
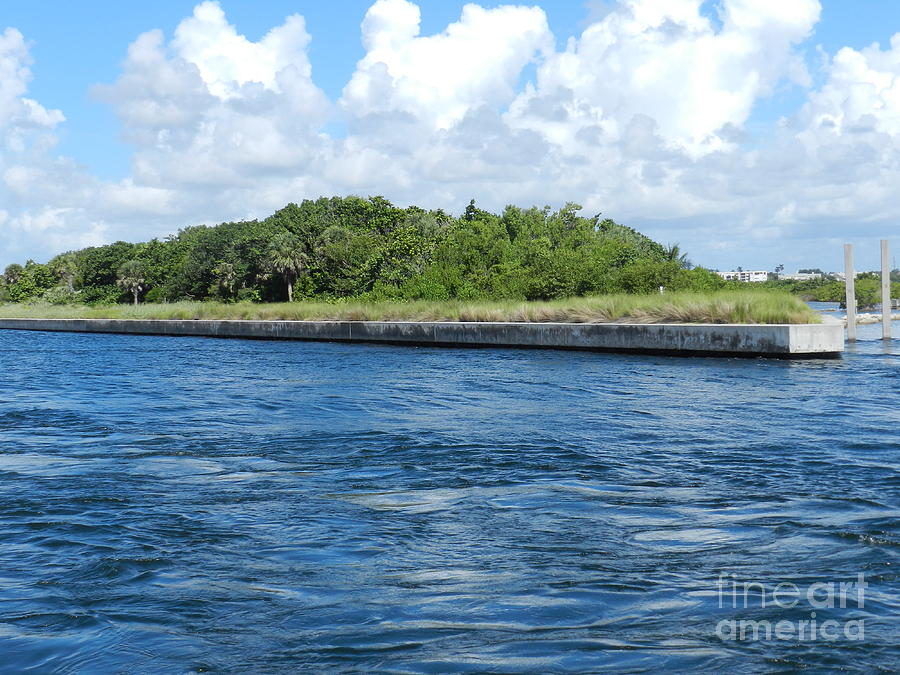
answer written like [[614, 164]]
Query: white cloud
[[227, 61], [861, 95], [665, 60], [19, 115], [57, 230], [26, 133], [438, 79], [214, 110], [849, 130], [644, 116], [222, 126]]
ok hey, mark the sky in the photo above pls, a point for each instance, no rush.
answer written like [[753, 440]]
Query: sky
[[751, 132]]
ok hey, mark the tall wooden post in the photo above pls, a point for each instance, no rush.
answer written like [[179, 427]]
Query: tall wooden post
[[885, 292], [850, 283]]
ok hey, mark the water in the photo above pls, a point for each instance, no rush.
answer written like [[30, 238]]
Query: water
[[193, 505]]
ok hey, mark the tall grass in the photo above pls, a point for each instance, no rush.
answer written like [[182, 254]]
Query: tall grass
[[762, 307]]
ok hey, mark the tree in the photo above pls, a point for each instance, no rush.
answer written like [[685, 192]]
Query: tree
[[225, 278], [65, 267], [13, 273], [131, 278], [471, 212], [367, 248], [285, 257], [29, 282], [673, 254], [779, 269]]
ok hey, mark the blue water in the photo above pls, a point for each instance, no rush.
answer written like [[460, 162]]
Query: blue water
[[193, 505]]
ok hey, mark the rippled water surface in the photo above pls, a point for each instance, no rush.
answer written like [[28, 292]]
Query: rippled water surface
[[193, 505]]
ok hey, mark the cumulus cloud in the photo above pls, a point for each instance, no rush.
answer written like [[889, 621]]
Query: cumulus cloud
[[667, 61], [643, 116], [212, 109], [437, 79], [19, 115], [861, 95], [26, 134], [227, 60], [221, 127], [848, 132]]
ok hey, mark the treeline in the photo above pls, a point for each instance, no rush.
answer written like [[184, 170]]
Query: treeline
[[351, 247], [810, 289], [867, 290], [829, 289]]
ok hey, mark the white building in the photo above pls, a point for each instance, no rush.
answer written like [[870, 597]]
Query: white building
[[800, 276], [747, 277]]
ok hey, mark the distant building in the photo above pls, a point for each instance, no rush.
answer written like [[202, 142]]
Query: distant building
[[747, 277], [800, 276]]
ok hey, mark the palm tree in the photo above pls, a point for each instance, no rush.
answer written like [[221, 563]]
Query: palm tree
[[285, 257], [674, 254], [131, 278], [225, 277], [66, 267]]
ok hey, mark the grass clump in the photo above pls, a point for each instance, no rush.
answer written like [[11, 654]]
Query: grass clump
[[743, 307]]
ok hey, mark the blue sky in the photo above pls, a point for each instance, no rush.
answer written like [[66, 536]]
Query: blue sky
[[86, 41], [74, 46]]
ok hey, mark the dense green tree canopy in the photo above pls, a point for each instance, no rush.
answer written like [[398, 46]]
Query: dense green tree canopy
[[351, 247]]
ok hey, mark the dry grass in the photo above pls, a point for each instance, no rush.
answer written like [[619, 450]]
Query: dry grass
[[746, 307]]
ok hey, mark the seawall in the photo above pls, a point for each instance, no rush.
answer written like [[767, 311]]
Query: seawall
[[778, 341]]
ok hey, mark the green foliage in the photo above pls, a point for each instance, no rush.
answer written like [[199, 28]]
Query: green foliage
[[132, 278], [12, 273], [59, 295], [99, 266], [29, 282], [102, 295], [65, 268], [867, 291], [155, 295], [808, 290], [248, 295], [341, 248], [285, 258]]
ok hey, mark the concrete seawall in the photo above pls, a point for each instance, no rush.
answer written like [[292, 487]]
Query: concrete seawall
[[779, 341]]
